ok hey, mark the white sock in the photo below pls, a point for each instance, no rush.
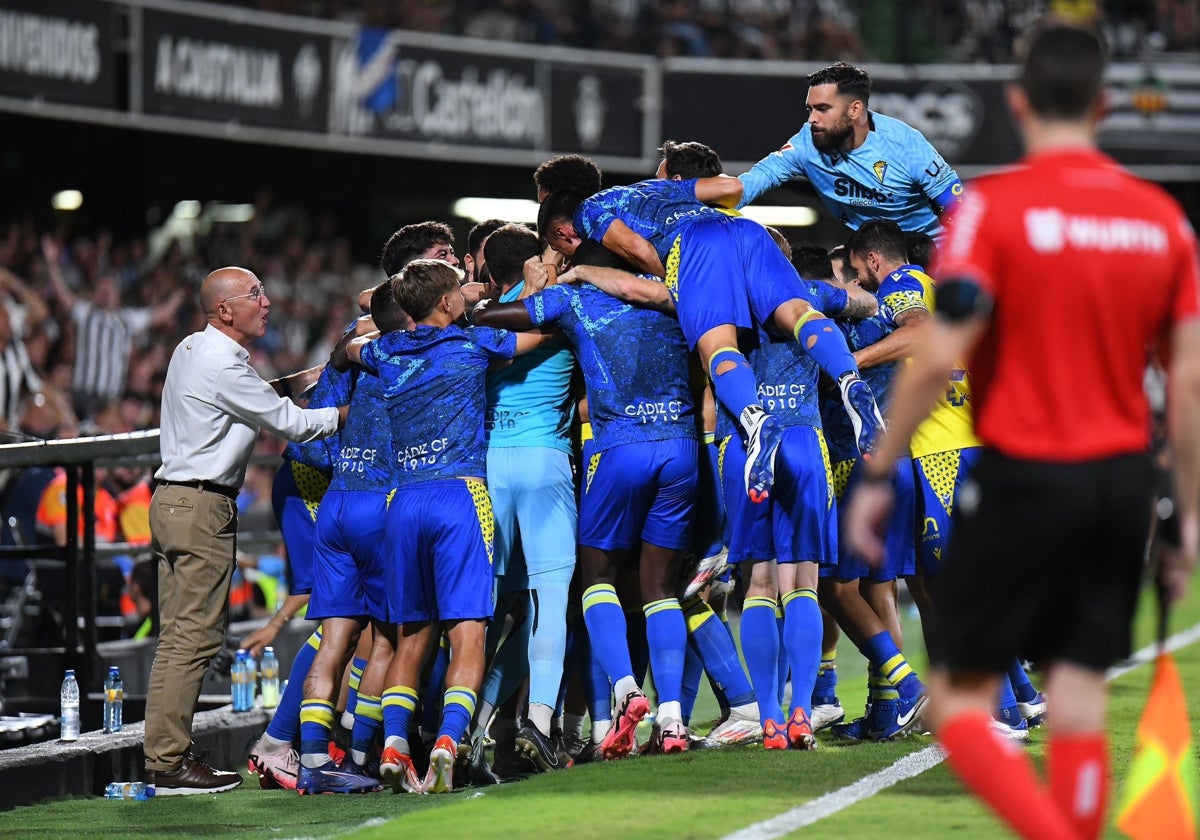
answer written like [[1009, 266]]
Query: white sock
[[397, 743], [746, 710], [270, 740], [539, 715], [347, 719], [483, 717], [314, 760], [624, 686], [670, 710], [600, 729]]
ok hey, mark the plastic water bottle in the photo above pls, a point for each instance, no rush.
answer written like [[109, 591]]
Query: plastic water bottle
[[128, 790], [237, 677], [251, 681], [114, 700], [270, 678], [69, 697]]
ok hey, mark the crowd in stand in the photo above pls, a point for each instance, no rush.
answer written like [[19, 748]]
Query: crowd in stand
[[937, 30]]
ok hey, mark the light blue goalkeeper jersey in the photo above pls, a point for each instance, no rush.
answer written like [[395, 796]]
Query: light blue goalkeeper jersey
[[895, 174]]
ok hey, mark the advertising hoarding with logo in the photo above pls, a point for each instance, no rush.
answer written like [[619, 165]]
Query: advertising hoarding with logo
[[59, 51], [226, 71], [401, 86]]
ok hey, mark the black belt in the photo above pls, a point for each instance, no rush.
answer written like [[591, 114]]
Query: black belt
[[205, 487]]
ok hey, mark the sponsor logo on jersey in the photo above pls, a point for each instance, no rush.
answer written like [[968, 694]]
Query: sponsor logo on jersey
[[880, 169], [1049, 230], [857, 193]]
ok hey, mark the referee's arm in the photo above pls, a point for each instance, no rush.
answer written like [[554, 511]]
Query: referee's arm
[[1183, 430]]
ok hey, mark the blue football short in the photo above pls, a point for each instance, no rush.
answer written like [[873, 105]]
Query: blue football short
[[439, 544], [900, 557], [938, 478], [295, 496], [728, 271], [639, 492], [350, 568], [798, 522]]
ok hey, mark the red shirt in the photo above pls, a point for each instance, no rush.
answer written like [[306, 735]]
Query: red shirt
[[1088, 267]]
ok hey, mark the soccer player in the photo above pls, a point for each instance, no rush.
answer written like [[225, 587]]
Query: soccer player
[[1063, 418], [420, 241], [724, 274], [529, 413], [638, 489], [438, 534], [350, 580], [863, 165], [477, 236]]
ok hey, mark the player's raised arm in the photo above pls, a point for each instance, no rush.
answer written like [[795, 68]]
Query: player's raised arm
[[633, 247]]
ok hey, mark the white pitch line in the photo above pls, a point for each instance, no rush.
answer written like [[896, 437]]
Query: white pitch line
[[913, 764]]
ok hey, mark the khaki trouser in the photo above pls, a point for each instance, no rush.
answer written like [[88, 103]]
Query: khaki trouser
[[194, 539]]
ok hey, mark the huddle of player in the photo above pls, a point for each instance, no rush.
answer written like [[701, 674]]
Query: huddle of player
[[655, 379]]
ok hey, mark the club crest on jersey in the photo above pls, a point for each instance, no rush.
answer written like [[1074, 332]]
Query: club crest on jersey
[[880, 169]]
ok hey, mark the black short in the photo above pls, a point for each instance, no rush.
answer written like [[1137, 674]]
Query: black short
[[1045, 562]]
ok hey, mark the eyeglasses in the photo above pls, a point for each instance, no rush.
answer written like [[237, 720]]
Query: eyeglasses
[[258, 292]]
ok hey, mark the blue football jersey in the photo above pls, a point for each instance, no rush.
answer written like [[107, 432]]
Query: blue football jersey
[[658, 209], [331, 389], [363, 460], [634, 364], [839, 434], [895, 174], [434, 380]]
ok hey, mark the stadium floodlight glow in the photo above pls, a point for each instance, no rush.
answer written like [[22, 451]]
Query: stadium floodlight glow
[[780, 215], [67, 200], [187, 209], [521, 210]]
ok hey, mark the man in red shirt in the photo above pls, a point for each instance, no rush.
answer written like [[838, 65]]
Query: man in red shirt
[[1058, 279]]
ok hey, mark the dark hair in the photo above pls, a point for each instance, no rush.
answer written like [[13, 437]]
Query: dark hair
[[690, 160], [422, 283], [480, 232], [410, 242], [883, 236], [506, 252], [591, 252], [385, 309], [558, 205], [1062, 71], [920, 247], [850, 80], [812, 262], [570, 173]]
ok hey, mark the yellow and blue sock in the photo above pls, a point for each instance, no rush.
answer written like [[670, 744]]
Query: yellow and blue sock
[[781, 663], [760, 646], [825, 688], [693, 670], [666, 636], [802, 641], [607, 630], [316, 722], [887, 660], [826, 345], [368, 720], [458, 706], [357, 666], [398, 702], [285, 724], [431, 709], [734, 387], [717, 651]]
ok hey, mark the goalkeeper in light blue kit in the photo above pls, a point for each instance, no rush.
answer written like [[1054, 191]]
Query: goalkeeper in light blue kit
[[862, 164]]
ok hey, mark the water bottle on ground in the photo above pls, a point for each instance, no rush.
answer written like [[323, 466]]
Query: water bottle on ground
[[69, 697], [114, 700], [270, 679], [237, 677], [251, 681], [128, 790]]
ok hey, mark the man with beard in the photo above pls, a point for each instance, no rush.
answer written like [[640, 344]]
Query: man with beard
[[863, 165]]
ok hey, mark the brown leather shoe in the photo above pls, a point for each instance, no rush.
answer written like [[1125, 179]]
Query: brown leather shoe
[[192, 777]]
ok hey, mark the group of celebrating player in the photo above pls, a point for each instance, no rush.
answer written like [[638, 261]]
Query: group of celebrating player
[[731, 384]]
